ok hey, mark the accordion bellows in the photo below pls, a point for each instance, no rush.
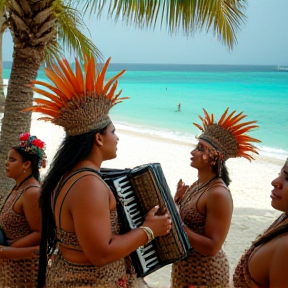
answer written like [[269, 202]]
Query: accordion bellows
[[137, 191]]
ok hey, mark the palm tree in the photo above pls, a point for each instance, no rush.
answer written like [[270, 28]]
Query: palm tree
[[3, 26], [38, 29]]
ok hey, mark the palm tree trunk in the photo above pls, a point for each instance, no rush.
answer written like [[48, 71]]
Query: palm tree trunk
[[2, 97], [26, 62]]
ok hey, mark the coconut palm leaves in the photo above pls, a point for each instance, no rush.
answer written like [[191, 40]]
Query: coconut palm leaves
[[69, 33], [223, 17]]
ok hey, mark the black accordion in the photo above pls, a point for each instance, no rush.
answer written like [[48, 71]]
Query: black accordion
[[137, 191]]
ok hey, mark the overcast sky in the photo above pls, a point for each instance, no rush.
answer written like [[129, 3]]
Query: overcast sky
[[262, 41]]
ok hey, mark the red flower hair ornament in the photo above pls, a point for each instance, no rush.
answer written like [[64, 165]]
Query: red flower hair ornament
[[33, 145]]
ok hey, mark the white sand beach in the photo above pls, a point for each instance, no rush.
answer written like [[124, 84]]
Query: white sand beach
[[250, 187]]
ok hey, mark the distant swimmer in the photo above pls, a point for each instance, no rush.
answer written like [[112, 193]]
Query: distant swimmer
[[179, 107]]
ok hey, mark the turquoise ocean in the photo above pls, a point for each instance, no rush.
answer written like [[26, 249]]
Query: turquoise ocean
[[156, 89]]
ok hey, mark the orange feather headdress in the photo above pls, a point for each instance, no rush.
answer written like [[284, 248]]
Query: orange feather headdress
[[79, 103], [228, 135]]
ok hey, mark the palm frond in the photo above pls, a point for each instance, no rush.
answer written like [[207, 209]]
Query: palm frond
[[3, 16], [69, 35], [223, 17], [52, 53], [3, 4]]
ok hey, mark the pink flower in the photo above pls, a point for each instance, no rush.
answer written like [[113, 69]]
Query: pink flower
[[38, 143], [123, 282], [24, 136]]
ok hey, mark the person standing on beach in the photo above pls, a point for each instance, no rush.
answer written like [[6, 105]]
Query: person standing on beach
[[20, 217], [78, 208], [206, 206], [265, 263]]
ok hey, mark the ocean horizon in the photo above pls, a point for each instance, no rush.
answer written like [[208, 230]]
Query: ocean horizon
[[155, 90]]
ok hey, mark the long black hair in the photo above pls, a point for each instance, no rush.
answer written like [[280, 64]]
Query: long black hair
[[72, 150], [33, 158], [224, 172]]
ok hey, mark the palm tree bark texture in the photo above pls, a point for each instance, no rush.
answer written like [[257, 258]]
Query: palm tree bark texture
[[30, 38], [19, 96], [2, 30]]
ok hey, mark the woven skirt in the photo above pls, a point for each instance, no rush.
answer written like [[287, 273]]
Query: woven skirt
[[18, 273], [63, 273], [201, 271]]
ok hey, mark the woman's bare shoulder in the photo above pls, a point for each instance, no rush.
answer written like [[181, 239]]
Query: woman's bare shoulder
[[281, 244], [220, 196], [279, 260], [32, 191], [91, 179], [219, 189], [88, 185]]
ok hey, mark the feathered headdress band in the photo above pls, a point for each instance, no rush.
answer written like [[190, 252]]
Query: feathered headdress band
[[79, 103], [228, 135]]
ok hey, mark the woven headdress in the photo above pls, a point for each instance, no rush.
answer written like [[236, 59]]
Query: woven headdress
[[228, 136], [79, 103]]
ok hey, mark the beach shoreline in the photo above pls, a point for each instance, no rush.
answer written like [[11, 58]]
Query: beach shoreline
[[250, 186], [127, 132]]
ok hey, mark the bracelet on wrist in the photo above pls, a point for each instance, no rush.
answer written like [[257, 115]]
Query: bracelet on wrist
[[149, 233]]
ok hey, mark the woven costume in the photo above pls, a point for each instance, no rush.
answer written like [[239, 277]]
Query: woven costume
[[66, 274], [242, 277], [20, 273], [221, 141], [197, 269], [16, 273]]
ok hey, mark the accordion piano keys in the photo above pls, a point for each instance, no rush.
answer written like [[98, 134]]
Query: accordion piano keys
[[127, 197], [147, 257], [147, 254]]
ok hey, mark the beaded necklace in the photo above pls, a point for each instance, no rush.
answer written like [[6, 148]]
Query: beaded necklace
[[15, 188], [21, 183], [189, 193]]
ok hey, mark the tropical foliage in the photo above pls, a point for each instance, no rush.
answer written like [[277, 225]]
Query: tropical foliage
[[223, 17]]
